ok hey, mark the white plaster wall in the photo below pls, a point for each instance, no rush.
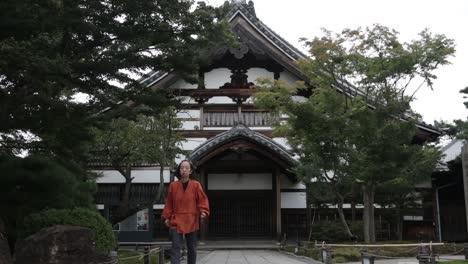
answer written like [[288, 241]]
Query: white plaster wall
[[299, 98], [220, 100], [266, 128], [255, 73], [181, 84], [141, 176], [241, 181], [192, 143], [188, 114], [293, 200], [282, 141], [216, 128], [190, 125], [289, 78], [286, 183], [186, 100], [217, 77]]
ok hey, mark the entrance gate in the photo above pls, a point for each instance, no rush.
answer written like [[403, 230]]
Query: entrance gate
[[241, 213]]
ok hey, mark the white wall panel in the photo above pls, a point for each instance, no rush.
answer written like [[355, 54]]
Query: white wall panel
[[141, 176], [217, 77], [181, 84], [255, 73], [192, 143], [186, 99], [189, 114], [190, 125], [241, 181], [286, 183], [292, 200], [289, 78], [220, 100]]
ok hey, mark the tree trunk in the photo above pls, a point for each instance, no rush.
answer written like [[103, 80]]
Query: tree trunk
[[161, 182], [368, 214], [5, 254], [399, 224], [343, 219], [124, 209]]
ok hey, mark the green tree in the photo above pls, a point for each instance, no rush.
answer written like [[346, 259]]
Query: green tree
[[372, 124], [399, 194], [458, 128], [32, 184], [51, 51], [55, 51], [162, 142], [123, 143]]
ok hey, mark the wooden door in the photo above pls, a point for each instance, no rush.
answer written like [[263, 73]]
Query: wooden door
[[239, 214]]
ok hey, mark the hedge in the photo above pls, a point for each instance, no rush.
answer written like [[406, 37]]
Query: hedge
[[105, 238]]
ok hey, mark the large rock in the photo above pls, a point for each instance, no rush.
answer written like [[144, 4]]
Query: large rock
[[59, 244], [5, 257]]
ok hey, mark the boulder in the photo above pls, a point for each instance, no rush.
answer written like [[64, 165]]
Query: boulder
[[5, 256], [59, 245]]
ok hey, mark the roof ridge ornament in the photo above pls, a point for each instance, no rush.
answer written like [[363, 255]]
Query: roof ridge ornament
[[243, 3]]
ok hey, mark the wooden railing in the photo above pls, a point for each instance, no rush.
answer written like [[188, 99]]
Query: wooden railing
[[228, 119]]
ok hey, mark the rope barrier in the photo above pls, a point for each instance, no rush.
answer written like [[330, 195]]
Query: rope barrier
[[464, 260], [456, 252], [139, 256], [386, 257], [383, 245]]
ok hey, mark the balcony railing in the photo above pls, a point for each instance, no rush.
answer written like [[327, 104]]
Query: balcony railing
[[228, 119]]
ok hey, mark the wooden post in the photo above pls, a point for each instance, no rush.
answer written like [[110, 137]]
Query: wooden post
[[278, 203], [465, 179], [203, 222], [202, 121], [465, 250], [161, 255], [146, 255]]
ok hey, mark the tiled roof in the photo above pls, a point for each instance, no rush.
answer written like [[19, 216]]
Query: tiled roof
[[248, 12], [237, 131]]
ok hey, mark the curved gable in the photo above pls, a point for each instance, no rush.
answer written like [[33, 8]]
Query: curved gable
[[241, 137]]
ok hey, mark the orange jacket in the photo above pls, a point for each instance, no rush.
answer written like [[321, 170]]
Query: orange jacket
[[183, 208]]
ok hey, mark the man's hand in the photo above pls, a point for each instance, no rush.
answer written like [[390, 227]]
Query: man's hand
[[167, 223], [203, 214]]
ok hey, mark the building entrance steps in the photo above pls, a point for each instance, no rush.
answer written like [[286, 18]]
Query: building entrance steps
[[237, 244]]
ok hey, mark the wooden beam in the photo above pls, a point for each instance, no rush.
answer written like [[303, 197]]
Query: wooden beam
[[212, 133]]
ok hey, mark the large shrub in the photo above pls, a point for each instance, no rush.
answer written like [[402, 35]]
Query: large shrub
[[105, 239], [334, 231]]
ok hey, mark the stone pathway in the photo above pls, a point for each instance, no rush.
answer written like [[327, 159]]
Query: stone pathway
[[247, 257], [274, 257]]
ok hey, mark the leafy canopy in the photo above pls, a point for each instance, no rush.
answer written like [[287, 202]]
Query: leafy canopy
[[51, 51]]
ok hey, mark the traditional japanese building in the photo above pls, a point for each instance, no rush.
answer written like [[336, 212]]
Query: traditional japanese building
[[449, 190], [242, 167]]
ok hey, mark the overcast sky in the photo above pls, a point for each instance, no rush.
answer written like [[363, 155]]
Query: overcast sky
[[295, 19]]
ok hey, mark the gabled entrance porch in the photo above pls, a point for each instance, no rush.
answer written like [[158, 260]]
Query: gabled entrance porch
[[241, 172]]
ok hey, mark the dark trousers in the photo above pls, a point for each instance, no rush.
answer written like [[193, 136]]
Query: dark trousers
[[177, 240]]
